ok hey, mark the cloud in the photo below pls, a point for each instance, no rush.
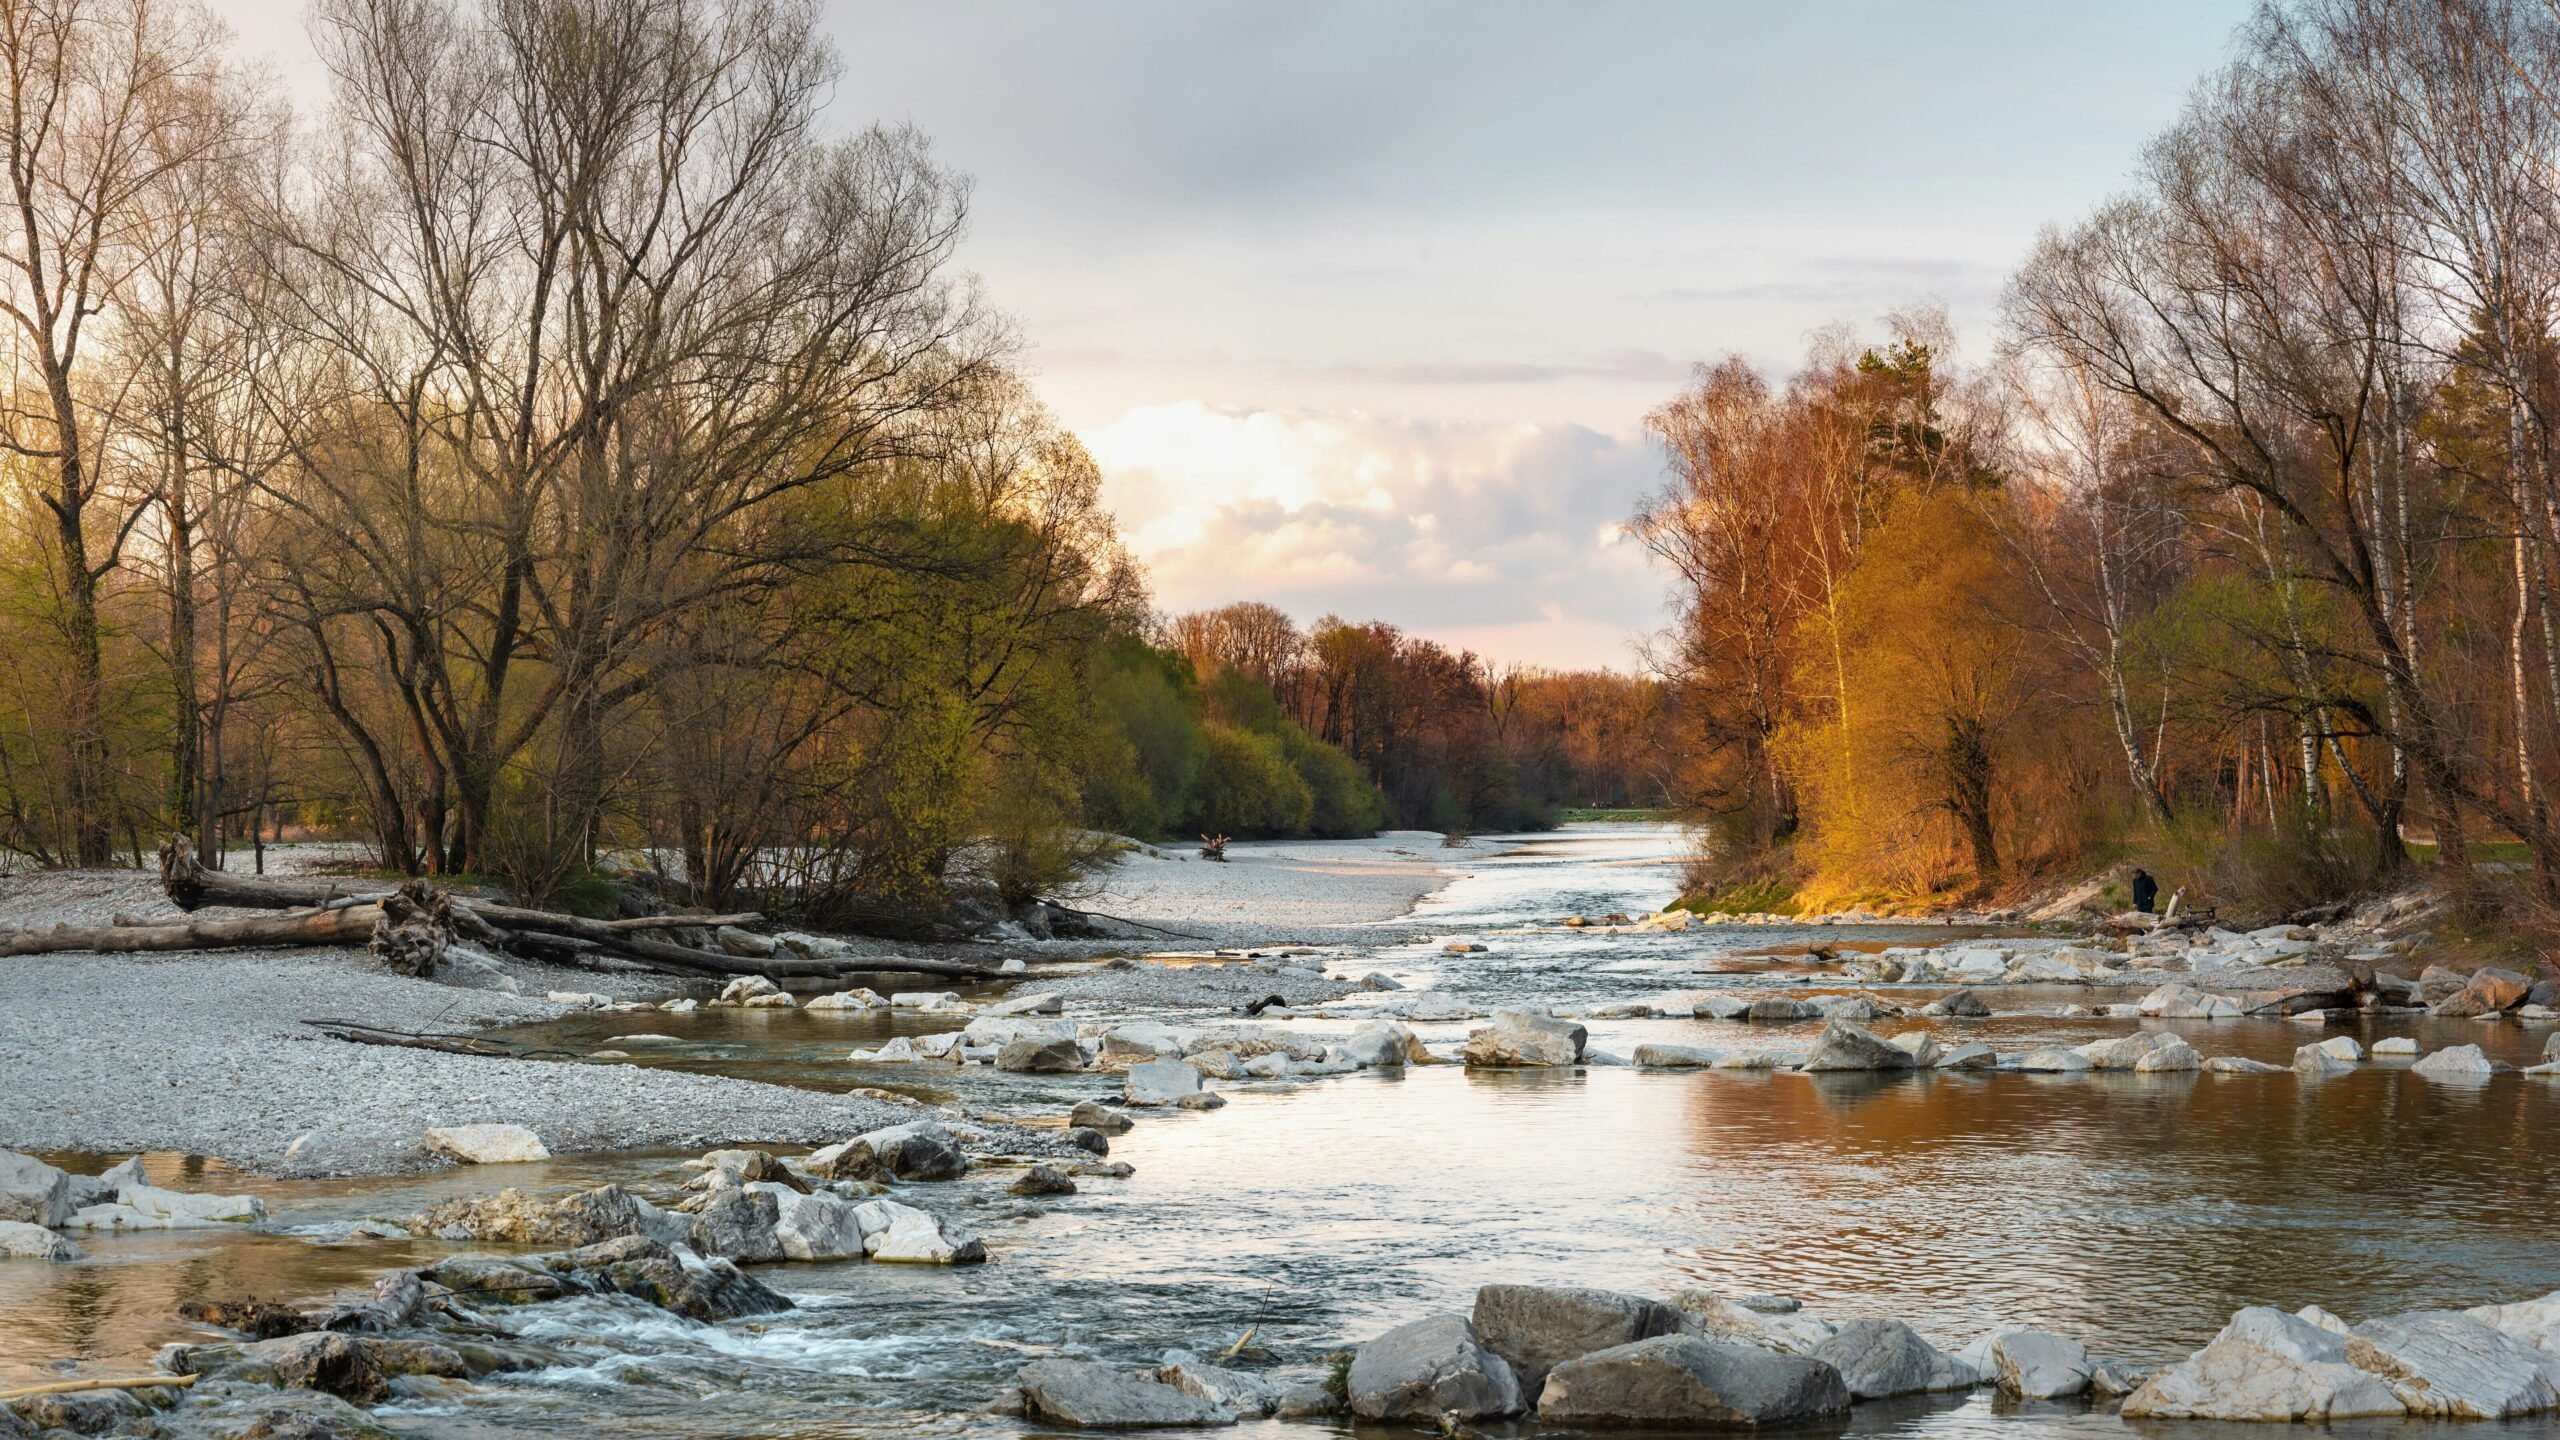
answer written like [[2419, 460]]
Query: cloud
[[1504, 537]]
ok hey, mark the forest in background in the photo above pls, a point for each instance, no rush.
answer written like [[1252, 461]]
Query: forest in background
[[2237, 559], [561, 445]]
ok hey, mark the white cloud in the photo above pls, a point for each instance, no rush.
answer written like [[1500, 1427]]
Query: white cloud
[[1477, 533]]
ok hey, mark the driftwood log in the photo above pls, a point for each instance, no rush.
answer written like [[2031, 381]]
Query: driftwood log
[[190, 884]]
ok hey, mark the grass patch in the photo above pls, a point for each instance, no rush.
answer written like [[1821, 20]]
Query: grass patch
[[1765, 896]]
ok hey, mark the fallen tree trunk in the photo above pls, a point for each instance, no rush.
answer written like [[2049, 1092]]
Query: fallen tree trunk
[[348, 925], [190, 885]]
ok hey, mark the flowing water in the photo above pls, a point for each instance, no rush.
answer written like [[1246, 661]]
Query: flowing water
[[2133, 1212]]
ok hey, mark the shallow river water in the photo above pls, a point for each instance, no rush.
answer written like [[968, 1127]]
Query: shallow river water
[[2133, 1212]]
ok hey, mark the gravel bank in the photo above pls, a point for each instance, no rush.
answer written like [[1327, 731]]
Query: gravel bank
[[200, 1053]]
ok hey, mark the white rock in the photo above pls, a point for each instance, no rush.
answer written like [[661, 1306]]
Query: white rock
[[487, 1144], [2396, 1045], [1920, 1045], [1041, 1004], [579, 999], [1790, 1332], [1146, 1038], [145, 1207], [1520, 1038], [817, 1226], [2264, 1365], [2314, 1061], [1385, 1044], [746, 988], [2241, 1065], [858, 998], [2053, 1060], [684, 1006], [2123, 1052], [901, 1234], [1159, 1082], [2343, 1047], [1971, 1055], [1013, 966], [2169, 1059], [2185, 1002], [2447, 1363], [2039, 1365], [33, 1192], [925, 999], [22, 1241], [1676, 1057], [2460, 1064]]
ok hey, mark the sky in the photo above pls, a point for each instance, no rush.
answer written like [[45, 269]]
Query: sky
[[1361, 304]]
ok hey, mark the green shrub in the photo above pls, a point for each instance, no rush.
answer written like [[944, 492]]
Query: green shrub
[[1246, 786]]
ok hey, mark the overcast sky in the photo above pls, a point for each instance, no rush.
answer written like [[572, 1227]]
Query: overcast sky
[[1361, 305]]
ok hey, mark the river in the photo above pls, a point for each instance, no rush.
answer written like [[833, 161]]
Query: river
[[2132, 1212]]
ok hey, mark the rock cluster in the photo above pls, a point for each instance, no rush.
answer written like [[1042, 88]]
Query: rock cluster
[[38, 1200]]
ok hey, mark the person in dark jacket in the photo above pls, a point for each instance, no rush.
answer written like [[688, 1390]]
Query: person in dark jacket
[[2146, 891]]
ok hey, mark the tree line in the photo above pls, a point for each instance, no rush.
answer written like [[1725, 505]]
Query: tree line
[[1234, 721], [2239, 555], [565, 440]]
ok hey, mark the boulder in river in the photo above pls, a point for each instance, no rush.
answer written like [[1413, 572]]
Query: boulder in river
[[1159, 1082], [1094, 1115], [740, 1225], [1676, 1057], [1040, 1057], [1043, 1179], [2447, 1363], [1233, 1390], [487, 1144], [1878, 1358], [711, 1291], [2186, 1002], [1720, 1007], [2457, 1064], [2123, 1052], [901, 1234], [148, 1207], [858, 998], [2241, 1065], [1779, 1008], [517, 1217], [2264, 1365], [1675, 1381], [1520, 1039], [1385, 1044], [820, 1226], [22, 1241], [2053, 1060], [916, 1150], [2313, 1061], [2166, 1059], [1429, 1368], [1535, 1328], [1089, 1396], [1846, 1046], [1757, 1321], [1963, 1004], [32, 1191], [1971, 1055], [2039, 1365], [1920, 1045]]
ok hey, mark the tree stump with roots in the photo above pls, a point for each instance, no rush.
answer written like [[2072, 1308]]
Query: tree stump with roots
[[416, 925]]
